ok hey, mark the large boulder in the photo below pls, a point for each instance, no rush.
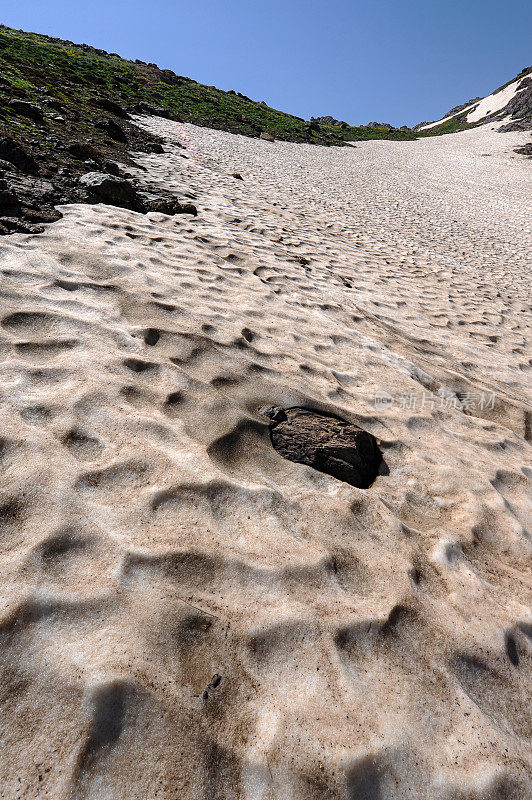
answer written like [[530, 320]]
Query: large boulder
[[53, 102], [30, 110], [110, 189], [111, 128], [112, 107], [17, 225], [153, 147], [12, 151], [267, 137], [148, 109], [325, 442], [8, 198]]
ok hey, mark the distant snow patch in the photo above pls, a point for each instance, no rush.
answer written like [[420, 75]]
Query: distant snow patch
[[495, 102]]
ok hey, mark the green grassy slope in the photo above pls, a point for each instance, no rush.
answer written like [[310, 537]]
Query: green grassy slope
[[32, 64]]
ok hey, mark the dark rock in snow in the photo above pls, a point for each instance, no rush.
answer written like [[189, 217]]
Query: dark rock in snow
[[16, 225], [524, 150], [163, 206], [166, 206], [171, 206], [154, 147], [325, 442], [189, 208], [41, 215]]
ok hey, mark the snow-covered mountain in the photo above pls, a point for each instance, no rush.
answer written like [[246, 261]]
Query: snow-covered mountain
[[511, 103]]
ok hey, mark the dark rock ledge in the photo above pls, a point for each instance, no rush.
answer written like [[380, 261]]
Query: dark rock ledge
[[35, 177]]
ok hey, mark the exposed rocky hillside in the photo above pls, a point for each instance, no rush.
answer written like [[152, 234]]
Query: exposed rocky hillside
[[67, 110], [511, 103]]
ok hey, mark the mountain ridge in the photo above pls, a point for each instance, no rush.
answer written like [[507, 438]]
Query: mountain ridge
[[513, 99], [69, 109], [61, 63]]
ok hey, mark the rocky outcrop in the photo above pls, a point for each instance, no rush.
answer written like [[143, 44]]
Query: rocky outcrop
[[13, 152], [111, 128], [331, 121], [520, 108], [41, 172], [463, 106], [110, 189], [525, 150], [150, 110], [27, 199], [30, 110]]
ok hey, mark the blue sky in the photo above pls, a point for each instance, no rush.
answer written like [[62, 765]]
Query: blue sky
[[397, 61]]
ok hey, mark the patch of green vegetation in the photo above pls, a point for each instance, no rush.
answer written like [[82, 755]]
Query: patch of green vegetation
[[451, 126], [358, 134], [32, 65]]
